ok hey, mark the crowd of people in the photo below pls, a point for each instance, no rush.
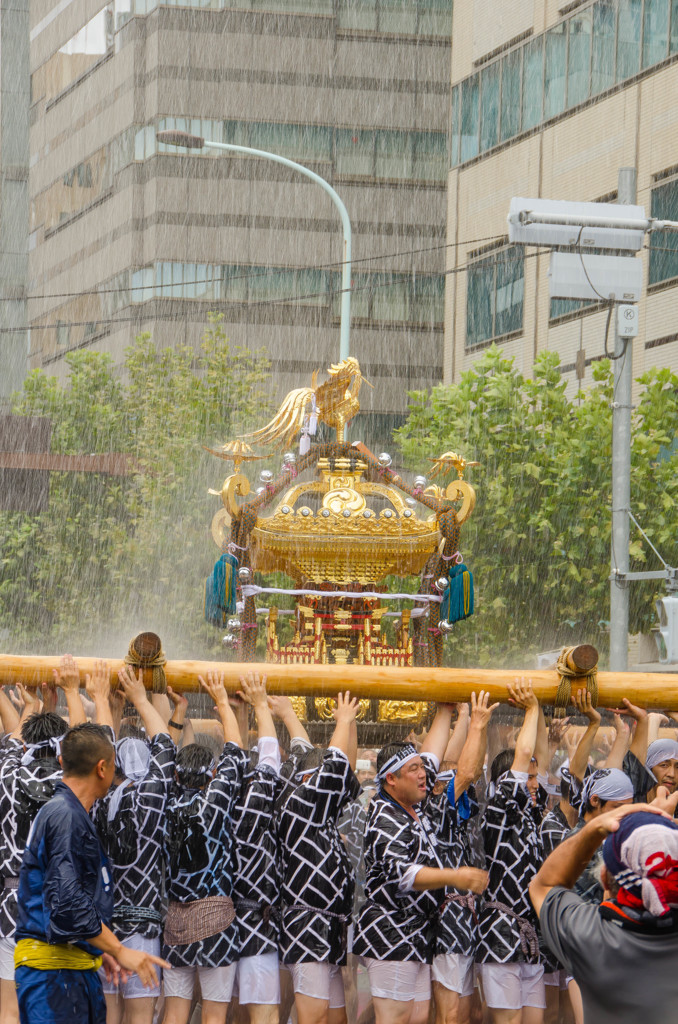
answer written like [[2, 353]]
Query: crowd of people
[[492, 869]]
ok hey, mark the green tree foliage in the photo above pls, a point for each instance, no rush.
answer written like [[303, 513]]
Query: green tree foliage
[[539, 539], [115, 555]]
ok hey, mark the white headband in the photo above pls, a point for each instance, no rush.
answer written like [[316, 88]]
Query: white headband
[[661, 750], [33, 748], [396, 762]]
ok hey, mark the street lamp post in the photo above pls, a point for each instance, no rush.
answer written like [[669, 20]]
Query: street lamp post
[[178, 138]]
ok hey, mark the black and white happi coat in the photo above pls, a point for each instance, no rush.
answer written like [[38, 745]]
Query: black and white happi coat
[[214, 807], [256, 883], [458, 920], [134, 842], [20, 786], [554, 828], [317, 881], [394, 924], [513, 854]]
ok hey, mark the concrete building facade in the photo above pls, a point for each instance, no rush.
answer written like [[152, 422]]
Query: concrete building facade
[[550, 100], [130, 235]]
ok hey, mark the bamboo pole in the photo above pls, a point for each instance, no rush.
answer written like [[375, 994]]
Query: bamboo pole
[[647, 689]]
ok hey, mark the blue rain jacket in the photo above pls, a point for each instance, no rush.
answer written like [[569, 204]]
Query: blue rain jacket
[[65, 886]]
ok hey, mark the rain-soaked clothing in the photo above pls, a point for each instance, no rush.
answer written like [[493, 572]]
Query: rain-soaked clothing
[[397, 924], [23, 789], [65, 896], [458, 921], [317, 881], [201, 857], [507, 928]]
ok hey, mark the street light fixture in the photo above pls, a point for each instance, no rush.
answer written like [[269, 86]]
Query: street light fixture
[[185, 139]]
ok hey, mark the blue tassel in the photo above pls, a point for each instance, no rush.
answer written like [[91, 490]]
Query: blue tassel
[[457, 602], [462, 806], [220, 590]]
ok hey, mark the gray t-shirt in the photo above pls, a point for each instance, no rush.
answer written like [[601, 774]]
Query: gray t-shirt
[[625, 977]]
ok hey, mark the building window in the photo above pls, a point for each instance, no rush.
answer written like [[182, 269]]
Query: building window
[[595, 48], [494, 295], [664, 244]]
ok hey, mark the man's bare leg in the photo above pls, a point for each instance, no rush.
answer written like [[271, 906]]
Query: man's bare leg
[[177, 1010], [506, 1016], [532, 1015], [137, 1011], [311, 1010], [576, 1001], [9, 1008], [451, 1008], [113, 1008], [213, 1012], [396, 1011], [261, 1013]]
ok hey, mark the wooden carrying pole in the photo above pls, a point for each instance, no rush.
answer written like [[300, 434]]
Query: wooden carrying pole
[[647, 689]]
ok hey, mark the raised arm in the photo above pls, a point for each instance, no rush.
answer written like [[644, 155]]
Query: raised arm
[[179, 726], [98, 688], [615, 759], [344, 714], [67, 678], [541, 747], [283, 709], [253, 691], [521, 695], [472, 757], [438, 735], [639, 743], [8, 713], [31, 706], [578, 763], [459, 734], [135, 691], [214, 686]]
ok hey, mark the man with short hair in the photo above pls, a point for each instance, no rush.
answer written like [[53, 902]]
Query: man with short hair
[[405, 879], [29, 771], [65, 896], [317, 882], [623, 954], [130, 821]]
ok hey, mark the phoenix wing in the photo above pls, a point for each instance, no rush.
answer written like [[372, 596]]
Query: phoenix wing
[[288, 420]]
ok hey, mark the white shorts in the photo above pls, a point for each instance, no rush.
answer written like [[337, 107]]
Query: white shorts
[[257, 980], [216, 983], [403, 981], [556, 979], [7, 959], [133, 988], [512, 986], [454, 972], [319, 980]]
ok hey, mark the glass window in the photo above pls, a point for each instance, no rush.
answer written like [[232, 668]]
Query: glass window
[[235, 281], [360, 295], [355, 152], [510, 94], [580, 29], [664, 244], [391, 297], [674, 27], [533, 83], [561, 307], [142, 284], [469, 118], [237, 133], [554, 75], [494, 295], [628, 38], [428, 299], [454, 127], [394, 155], [398, 17], [430, 156], [359, 15], [509, 291], [435, 19], [602, 62], [655, 31], [489, 106], [76, 57]]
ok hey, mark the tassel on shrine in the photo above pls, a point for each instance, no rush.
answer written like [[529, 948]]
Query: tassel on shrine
[[220, 590], [457, 602]]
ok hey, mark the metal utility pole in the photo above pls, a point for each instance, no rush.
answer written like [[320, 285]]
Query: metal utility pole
[[621, 467]]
